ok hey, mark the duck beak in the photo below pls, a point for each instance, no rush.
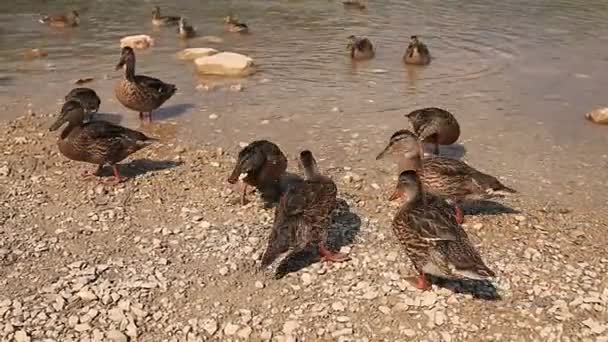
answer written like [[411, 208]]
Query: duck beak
[[236, 173], [63, 117], [120, 64], [386, 150], [398, 193]]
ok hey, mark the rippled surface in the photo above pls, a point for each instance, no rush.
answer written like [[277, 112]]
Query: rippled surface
[[519, 75]]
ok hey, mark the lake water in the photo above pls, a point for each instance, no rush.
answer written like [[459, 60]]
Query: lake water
[[519, 76]]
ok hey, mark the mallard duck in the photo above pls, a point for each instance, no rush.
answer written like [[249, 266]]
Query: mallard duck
[[354, 4], [417, 52], [433, 240], [234, 25], [138, 92], [302, 219], [360, 48], [96, 142], [184, 30], [262, 163], [435, 126], [444, 177], [70, 19], [88, 99], [159, 20]]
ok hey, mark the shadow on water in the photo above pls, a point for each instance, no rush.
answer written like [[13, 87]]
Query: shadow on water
[[172, 111], [486, 207], [480, 289], [141, 166]]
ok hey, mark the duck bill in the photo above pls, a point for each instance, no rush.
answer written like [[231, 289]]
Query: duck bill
[[120, 64], [60, 121], [236, 174], [384, 152], [397, 194]]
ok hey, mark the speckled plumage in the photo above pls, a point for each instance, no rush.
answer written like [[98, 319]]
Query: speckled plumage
[[232, 24], [70, 19], [434, 125], [417, 53], [360, 48]]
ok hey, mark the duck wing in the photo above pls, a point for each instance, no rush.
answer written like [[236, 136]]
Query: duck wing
[[163, 89]]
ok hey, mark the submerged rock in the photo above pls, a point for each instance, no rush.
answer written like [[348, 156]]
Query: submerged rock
[[599, 116], [194, 53], [226, 64], [140, 41]]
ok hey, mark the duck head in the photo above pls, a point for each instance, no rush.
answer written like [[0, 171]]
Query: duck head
[[74, 17], [308, 164], [402, 143], [156, 12], [408, 186], [249, 161], [414, 40], [71, 112]]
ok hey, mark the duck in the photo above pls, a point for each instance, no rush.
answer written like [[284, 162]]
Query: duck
[[87, 97], [184, 30], [354, 4], [434, 241], [435, 126], [71, 19], [234, 25], [360, 48], [159, 20], [96, 142], [302, 219], [445, 177], [138, 92], [261, 164], [417, 52]]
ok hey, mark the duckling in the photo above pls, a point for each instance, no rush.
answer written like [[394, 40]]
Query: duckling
[[417, 52], [159, 20], [70, 19], [360, 48], [96, 142], [138, 92], [88, 99], [184, 30], [262, 163], [434, 241], [435, 126], [354, 4], [233, 25], [444, 177], [302, 219]]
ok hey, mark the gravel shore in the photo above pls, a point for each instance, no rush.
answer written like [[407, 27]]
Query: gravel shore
[[170, 255]]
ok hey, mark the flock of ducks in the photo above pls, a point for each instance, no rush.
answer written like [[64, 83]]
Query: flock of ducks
[[431, 187]]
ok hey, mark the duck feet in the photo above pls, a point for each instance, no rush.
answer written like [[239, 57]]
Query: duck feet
[[420, 282], [117, 179], [146, 117], [86, 174], [330, 256]]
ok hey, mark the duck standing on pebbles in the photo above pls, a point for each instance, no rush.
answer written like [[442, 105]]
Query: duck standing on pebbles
[[417, 52], [184, 30], [88, 99], [433, 240], [234, 25], [71, 19], [435, 126], [262, 163], [302, 219], [138, 92], [96, 142], [159, 20], [360, 48], [440, 176]]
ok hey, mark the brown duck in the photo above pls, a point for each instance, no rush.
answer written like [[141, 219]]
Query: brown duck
[[96, 142], [445, 177], [87, 97], [72, 19], [138, 92], [434, 241], [159, 20], [302, 219], [417, 52], [360, 48], [435, 126]]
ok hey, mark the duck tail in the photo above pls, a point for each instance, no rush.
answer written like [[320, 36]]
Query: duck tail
[[480, 272], [492, 184]]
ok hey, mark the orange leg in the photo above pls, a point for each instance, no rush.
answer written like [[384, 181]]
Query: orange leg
[[420, 282], [459, 214], [117, 177], [330, 256], [243, 194]]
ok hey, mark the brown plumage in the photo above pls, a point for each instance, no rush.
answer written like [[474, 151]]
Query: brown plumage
[[138, 92], [360, 48], [435, 126], [264, 164], [96, 142], [160, 20], [302, 218], [184, 30], [433, 240], [233, 24], [87, 97], [417, 52], [71, 19]]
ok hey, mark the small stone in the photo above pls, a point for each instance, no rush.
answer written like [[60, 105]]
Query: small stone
[[478, 226], [342, 332], [236, 87], [409, 332], [22, 336], [336, 109], [369, 295], [116, 336], [244, 333], [204, 225], [384, 309], [210, 326], [86, 295], [337, 306], [5, 171], [223, 271], [231, 329], [259, 285], [595, 326], [82, 327], [266, 335], [520, 218], [290, 327], [306, 279], [213, 116], [392, 256]]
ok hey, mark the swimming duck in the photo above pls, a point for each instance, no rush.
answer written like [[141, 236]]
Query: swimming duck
[[444, 177], [233, 25], [262, 163], [354, 4], [70, 19], [433, 240], [184, 30], [138, 92], [302, 219], [96, 142], [159, 20], [360, 48], [417, 52], [435, 126], [88, 99]]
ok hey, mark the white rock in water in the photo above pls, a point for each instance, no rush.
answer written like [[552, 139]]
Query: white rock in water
[[225, 64], [194, 53], [599, 116], [140, 41]]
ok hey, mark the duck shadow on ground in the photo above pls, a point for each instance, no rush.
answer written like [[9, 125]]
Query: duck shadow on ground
[[141, 166], [486, 207], [345, 227], [172, 111], [480, 289]]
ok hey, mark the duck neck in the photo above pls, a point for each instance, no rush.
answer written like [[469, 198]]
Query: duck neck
[[410, 162], [69, 128], [311, 171], [130, 69]]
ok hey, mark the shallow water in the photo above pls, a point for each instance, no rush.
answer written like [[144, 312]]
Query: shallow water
[[518, 75]]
